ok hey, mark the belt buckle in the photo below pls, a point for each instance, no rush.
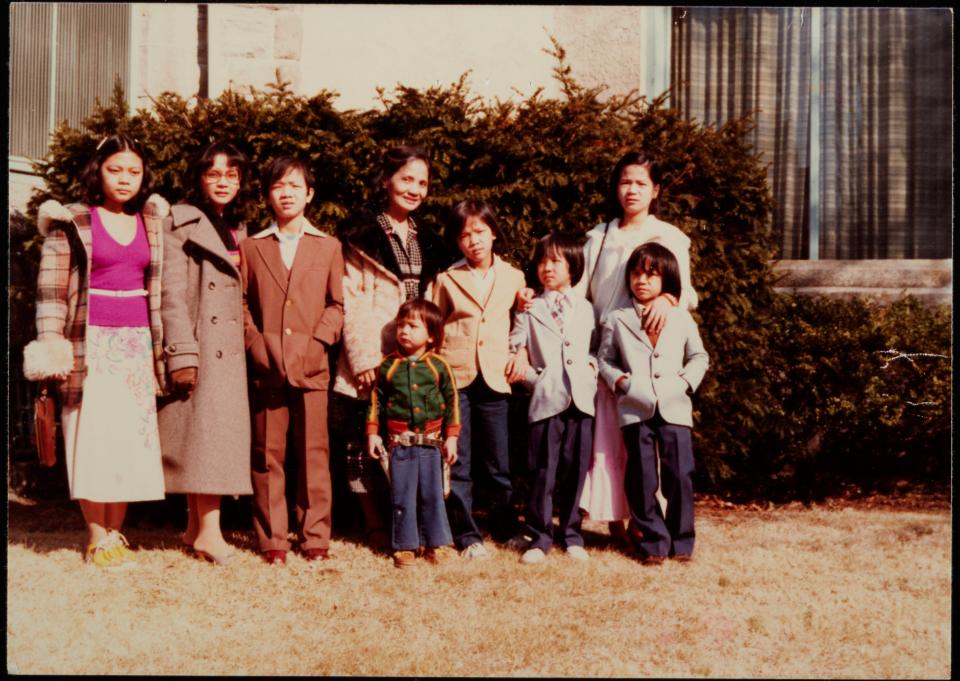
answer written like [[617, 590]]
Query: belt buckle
[[406, 439]]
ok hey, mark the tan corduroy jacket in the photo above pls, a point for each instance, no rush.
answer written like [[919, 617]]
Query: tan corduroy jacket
[[476, 333]]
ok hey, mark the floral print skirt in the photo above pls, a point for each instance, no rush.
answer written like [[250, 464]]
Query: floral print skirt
[[112, 442]]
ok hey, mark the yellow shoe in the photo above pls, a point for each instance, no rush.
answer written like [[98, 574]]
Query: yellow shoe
[[104, 554], [122, 550], [441, 555]]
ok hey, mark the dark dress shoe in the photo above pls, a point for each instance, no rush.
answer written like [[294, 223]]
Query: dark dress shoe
[[275, 557], [316, 554]]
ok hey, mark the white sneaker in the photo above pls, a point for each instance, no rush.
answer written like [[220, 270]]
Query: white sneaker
[[475, 551], [533, 556], [578, 553]]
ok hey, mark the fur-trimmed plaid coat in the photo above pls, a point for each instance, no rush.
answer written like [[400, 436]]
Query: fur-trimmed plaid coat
[[62, 288]]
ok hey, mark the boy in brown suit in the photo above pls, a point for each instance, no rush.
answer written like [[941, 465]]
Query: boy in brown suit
[[292, 277]]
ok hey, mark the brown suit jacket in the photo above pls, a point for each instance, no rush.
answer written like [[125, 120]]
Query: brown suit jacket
[[291, 317], [476, 333]]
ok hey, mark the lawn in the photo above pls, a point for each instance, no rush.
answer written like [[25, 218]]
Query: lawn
[[833, 590]]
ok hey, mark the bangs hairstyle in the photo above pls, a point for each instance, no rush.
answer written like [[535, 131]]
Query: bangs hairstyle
[[429, 313], [631, 158], [91, 185], [476, 208], [280, 167], [194, 183], [568, 247], [393, 160], [655, 258]]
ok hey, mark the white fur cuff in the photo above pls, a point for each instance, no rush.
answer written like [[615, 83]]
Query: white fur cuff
[[51, 211], [157, 206], [49, 358]]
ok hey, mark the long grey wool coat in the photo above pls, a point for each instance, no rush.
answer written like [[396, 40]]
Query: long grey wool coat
[[205, 438]]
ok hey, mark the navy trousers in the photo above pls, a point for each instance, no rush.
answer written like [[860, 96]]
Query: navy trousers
[[560, 449], [483, 429], [673, 533]]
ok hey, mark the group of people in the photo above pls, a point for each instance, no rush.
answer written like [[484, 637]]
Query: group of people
[[188, 354]]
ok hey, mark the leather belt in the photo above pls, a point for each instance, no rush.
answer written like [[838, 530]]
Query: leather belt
[[409, 439]]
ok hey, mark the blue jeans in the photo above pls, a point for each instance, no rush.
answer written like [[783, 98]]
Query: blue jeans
[[483, 425], [415, 476]]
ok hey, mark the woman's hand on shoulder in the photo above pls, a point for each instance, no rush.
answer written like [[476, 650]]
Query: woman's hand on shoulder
[[655, 315]]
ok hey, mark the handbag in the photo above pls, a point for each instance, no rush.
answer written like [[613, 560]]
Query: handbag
[[45, 425]]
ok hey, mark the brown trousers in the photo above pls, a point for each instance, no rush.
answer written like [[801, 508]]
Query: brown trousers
[[275, 409]]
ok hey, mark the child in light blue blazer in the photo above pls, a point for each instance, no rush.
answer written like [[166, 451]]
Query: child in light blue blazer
[[557, 332], [653, 376]]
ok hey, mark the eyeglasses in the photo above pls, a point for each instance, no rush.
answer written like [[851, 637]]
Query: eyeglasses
[[214, 176]]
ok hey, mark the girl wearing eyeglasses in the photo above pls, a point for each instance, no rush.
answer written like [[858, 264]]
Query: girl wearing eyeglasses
[[205, 420]]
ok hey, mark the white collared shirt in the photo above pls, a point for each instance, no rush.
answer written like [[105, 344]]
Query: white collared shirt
[[483, 280], [289, 243]]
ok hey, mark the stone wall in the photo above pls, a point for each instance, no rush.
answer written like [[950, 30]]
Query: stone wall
[[880, 280]]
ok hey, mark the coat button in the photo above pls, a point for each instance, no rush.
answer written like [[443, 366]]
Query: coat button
[[288, 303], [569, 361], [567, 343], [480, 344], [416, 410], [211, 286], [213, 319], [414, 386], [657, 375], [173, 348], [219, 354], [288, 331], [656, 354]]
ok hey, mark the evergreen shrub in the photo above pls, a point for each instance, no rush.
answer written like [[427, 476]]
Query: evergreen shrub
[[780, 375]]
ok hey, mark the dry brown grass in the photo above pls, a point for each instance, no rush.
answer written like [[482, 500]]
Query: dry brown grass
[[788, 592]]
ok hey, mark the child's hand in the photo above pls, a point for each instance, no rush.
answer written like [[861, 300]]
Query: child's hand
[[375, 446], [450, 450], [367, 378], [517, 366], [620, 385], [525, 298], [655, 314]]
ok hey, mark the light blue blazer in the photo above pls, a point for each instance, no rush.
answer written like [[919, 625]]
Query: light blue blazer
[[664, 377], [562, 370]]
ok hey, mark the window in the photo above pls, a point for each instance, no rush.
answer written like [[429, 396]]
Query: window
[[853, 109], [63, 57]]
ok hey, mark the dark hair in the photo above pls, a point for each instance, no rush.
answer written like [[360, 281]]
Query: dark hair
[[655, 258], [194, 183], [569, 247], [468, 208], [91, 184], [393, 160], [631, 158], [280, 167], [429, 313]]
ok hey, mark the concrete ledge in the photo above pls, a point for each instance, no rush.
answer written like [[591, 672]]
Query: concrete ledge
[[881, 280]]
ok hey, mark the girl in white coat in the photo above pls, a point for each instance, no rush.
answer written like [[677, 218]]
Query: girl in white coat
[[634, 188]]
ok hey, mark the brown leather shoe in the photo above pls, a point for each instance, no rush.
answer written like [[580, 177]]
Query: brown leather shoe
[[316, 554], [682, 557], [404, 559], [440, 555], [653, 560], [275, 557]]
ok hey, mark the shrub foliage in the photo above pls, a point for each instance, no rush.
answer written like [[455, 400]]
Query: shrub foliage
[[797, 398]]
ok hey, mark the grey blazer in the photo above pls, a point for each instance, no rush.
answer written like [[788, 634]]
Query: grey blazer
[[663, 377], [562, 370]]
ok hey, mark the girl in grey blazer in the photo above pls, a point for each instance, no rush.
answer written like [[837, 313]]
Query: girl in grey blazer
[[653, 376], [557, 332]]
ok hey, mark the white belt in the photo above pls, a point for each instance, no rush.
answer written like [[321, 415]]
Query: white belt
[[132, 293]]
